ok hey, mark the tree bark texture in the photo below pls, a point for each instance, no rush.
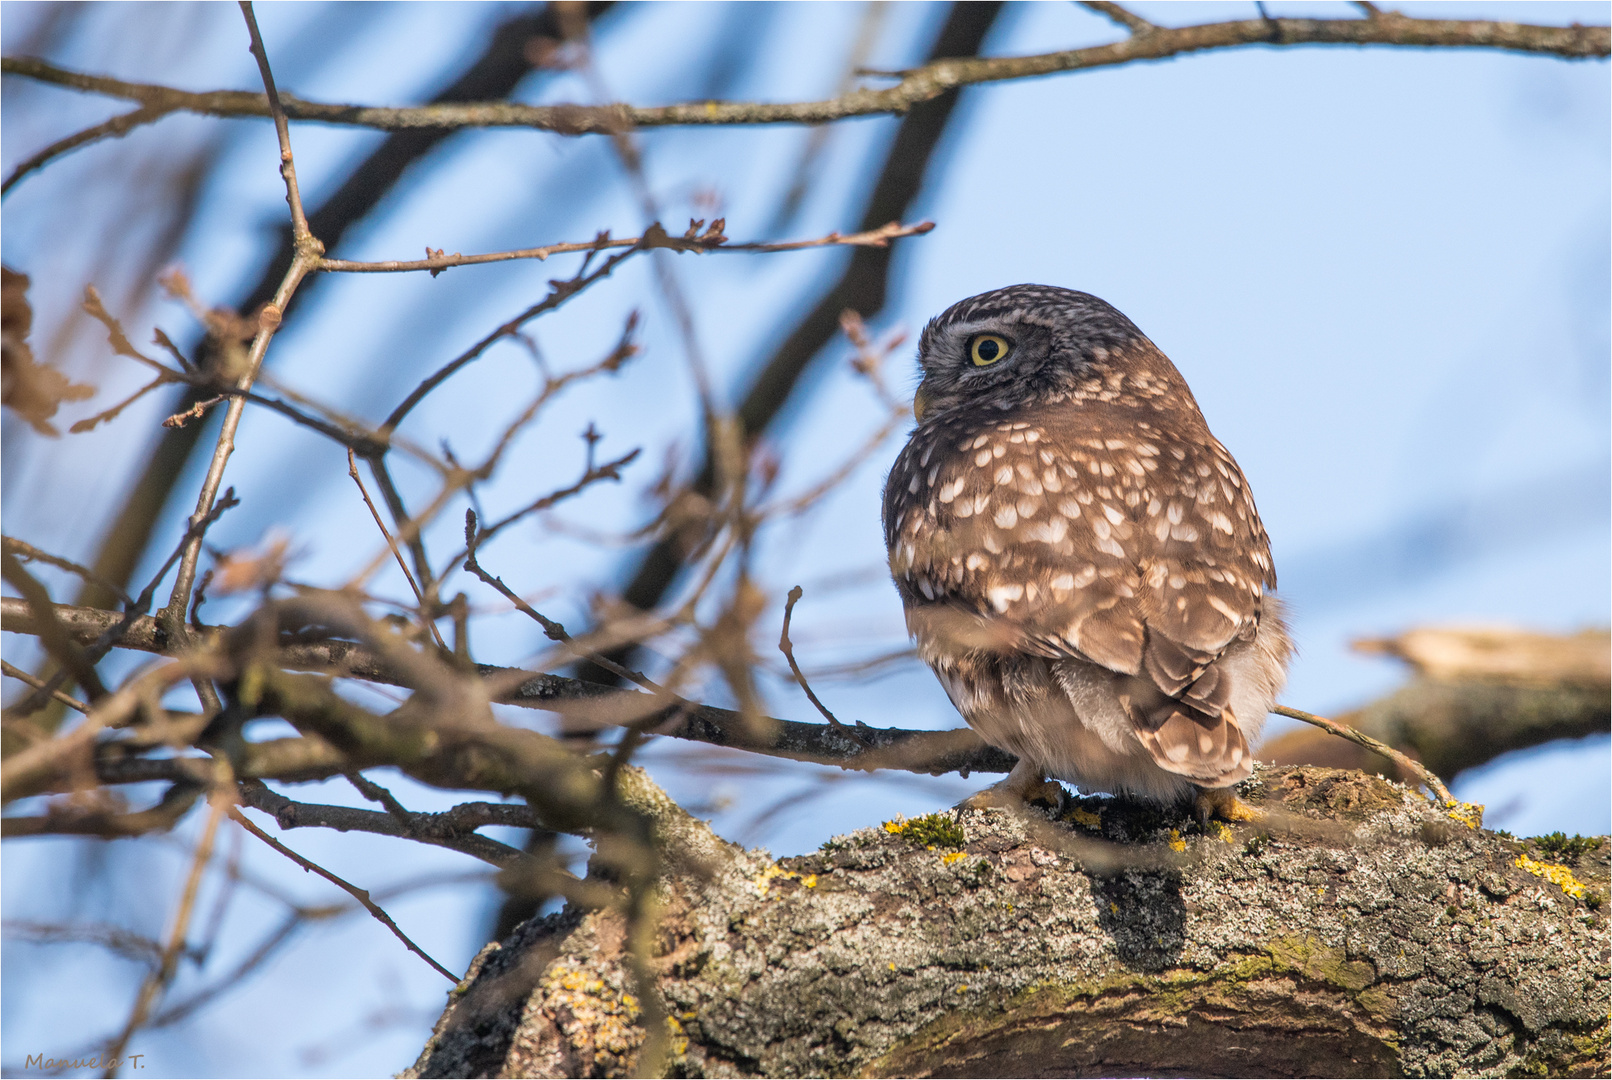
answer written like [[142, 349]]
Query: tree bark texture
[[1355, 930]]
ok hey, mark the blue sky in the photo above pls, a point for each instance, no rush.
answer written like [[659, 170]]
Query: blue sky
[[1383, 272]]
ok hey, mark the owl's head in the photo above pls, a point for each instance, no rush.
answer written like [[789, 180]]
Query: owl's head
[[1014, 346]]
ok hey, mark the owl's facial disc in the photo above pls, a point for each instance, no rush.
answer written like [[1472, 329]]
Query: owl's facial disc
[[971, 360]]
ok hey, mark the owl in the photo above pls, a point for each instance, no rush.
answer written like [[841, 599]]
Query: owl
[[1079, 559]]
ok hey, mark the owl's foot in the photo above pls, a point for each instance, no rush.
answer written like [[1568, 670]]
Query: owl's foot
[[1224, 804], [1024, 784]]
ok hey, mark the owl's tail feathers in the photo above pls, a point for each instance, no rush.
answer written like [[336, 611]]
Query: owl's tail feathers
[[1211, 750]]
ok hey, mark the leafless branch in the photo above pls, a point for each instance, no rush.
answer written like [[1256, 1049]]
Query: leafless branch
[[308, 252], [361, 895], [116, 127], [1122, 15], [157, 981], [1344, 731], [425, 617], [28, 553], [787, 647], [39, 684], [914, 86], [452, 829], [931, 752]]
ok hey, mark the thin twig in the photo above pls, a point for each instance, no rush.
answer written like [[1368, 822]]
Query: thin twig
[[113, 128], [6, 667], [711, 241], [361, 895], [786, 647], [552, 630], [1360, 738], [1124, 16], [52, 635], [430, 623], [28, 553], [375, 793], [559, 293], [158, 981], [288, 167]]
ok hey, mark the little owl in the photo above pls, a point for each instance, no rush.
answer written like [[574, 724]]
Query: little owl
[[1079, 559]]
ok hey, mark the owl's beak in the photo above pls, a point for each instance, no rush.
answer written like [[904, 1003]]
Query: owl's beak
[[920, 402]]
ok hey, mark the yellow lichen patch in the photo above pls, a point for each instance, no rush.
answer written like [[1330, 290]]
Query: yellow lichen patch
[[1176, 843], [598, 1013], [1554, 873], [896, 827], [1468, 814], [773, 872], [1086, 818], [810, 881], [1224, 833], [955, 856]]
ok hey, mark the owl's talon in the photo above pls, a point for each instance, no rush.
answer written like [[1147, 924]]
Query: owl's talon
[[1023, 786], [1224, 804]]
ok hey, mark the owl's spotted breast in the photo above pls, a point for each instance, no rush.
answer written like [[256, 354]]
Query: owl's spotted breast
[[1096, 525]]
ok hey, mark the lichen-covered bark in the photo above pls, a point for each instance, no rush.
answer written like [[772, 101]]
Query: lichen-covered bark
[[1356, 931]]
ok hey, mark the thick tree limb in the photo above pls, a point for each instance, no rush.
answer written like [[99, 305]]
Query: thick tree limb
[[1358, 931], [915, 86]]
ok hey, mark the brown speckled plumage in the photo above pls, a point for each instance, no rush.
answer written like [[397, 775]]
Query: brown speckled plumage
[[1080, 560]]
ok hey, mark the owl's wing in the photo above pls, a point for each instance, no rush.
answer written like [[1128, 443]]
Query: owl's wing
[[1137, 552]]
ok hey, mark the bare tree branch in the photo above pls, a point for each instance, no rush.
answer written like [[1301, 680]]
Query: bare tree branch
[[916, 85], [930, 752], [361, 895]]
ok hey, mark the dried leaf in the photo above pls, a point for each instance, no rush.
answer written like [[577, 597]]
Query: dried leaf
[[238, 571], [34, 390]]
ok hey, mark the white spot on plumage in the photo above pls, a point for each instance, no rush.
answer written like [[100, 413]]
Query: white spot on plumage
[[1050, 531], [1085, 576], [1220, 521], [1113, 514], [976, 561], [983, 458], [1184, 533], [1069, 508], [998, 450], [1006, 517]]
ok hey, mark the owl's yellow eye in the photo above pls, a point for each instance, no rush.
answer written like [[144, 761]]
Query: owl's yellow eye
[[987, 349]]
